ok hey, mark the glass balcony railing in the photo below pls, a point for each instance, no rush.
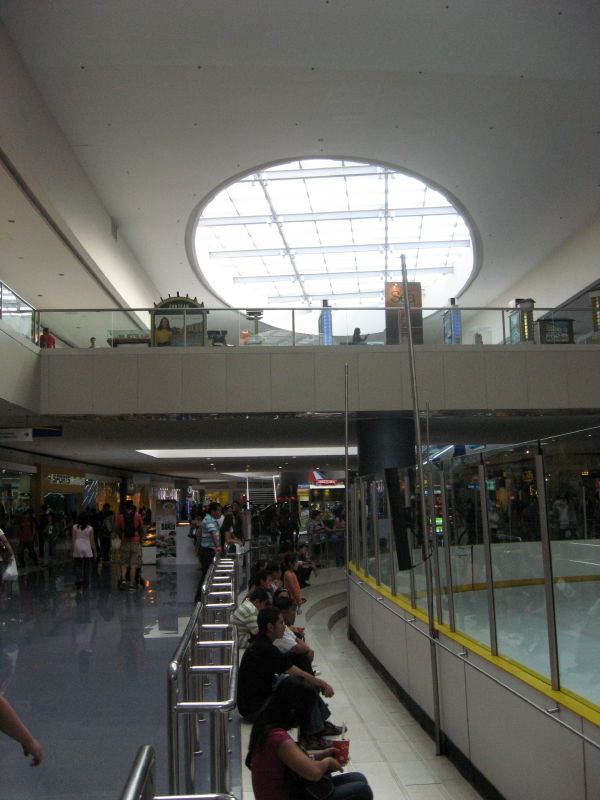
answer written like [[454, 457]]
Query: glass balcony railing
[[16, 313], [321, 327]]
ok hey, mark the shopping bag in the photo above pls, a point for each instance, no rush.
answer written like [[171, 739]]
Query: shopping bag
[[10, 573]]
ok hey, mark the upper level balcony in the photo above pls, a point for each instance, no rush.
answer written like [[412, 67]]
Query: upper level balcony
[[216, 360]]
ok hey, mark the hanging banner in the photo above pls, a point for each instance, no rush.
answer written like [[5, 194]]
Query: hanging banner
[[166, 528]]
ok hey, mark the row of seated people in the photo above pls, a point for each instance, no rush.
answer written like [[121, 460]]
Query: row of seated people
[[279, 691]]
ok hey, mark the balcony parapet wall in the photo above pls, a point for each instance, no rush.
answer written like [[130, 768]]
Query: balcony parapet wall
[[282, 379]]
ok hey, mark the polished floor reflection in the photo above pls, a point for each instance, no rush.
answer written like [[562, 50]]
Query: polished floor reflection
[[86, 671]]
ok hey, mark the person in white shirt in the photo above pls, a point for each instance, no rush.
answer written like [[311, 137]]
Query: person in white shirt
[[245, 616], [290, 643]]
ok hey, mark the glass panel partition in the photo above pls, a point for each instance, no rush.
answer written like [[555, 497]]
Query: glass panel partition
[[405, 578], [517, 558], [536, 579], [370, 519], [385, 535], [467, 554], [572, 477]]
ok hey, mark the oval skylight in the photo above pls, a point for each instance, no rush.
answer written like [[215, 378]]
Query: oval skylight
[[298, 233]]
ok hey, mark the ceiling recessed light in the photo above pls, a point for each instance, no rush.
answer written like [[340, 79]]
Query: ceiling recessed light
[[61, 274], [11, 220]]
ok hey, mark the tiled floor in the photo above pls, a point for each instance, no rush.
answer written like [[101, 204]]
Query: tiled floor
[[386, 743], [87, 673]]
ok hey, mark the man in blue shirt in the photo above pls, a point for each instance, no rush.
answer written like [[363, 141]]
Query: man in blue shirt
[[209, 542]]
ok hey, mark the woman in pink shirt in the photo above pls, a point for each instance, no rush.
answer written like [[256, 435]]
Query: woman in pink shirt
[[274, 757], [84, 550]]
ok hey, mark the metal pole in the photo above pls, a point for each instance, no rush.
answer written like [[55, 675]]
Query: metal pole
[[293, 327], [189, 726], [173, 728], [216, 738], [347, 501], [487, 552], [425, 543], [548, 573]]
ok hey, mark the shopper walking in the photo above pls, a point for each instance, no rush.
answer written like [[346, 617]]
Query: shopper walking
[[130, 528], [107, 526], [27, 533], [84, 551]]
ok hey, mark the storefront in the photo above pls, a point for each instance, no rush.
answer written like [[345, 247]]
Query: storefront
[[61, 488]]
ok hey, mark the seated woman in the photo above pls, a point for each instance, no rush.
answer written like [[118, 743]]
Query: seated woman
[[357, 338], [290, 580], [227, 534], [274, 758]]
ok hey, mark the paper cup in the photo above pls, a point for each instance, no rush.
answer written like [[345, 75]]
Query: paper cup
[[342, 747]]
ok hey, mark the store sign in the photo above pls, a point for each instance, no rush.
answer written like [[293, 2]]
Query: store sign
[[65, 480], [326, 482], [16, 434]]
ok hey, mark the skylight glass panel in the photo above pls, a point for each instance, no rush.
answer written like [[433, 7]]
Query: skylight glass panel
[[220, 206], [433, 198], [328, 194], [301, 234], [335, 232], [248, 198], [265, 236], [342, 224]]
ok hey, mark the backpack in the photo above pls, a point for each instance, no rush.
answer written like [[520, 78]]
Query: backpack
[[129, 523], [107, 524]]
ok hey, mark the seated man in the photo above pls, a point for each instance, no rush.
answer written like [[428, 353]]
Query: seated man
[[262, 664], [291, 644], [305, 566], [246, 615], [263, 580]]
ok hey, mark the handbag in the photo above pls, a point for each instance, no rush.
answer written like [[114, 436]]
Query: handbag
[[11, 573], [299, 788]]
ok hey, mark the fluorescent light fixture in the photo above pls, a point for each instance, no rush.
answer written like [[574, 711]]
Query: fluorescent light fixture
[[248, 452]]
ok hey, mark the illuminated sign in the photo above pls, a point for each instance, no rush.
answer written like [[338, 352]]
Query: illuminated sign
[[65, 480]]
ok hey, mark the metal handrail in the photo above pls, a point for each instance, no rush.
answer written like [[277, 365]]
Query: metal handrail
[[140, 782], [181, 685]]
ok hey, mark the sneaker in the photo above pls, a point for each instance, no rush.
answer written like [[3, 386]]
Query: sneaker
[[131, 587], [315, 742], [122, 585], [329, 729]]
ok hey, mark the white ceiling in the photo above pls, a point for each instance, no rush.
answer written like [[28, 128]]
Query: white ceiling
[[497, 103], [162, 102]]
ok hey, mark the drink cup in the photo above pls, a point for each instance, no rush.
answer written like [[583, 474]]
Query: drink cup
[[342, 747]]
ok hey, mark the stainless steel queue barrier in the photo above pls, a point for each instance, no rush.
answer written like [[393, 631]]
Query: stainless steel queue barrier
[[140, 783], [199, 656]]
